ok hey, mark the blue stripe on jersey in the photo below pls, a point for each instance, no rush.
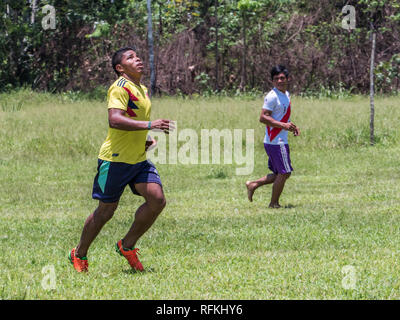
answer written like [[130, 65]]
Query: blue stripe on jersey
[[121, 83]]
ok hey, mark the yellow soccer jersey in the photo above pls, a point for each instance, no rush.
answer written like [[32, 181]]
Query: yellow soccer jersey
[[121, 145]]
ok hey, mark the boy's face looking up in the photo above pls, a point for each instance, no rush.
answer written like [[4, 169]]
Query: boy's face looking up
[[280, 82], [130, 64]]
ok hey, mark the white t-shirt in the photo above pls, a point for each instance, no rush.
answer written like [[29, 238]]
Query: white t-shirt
[[277, 102]]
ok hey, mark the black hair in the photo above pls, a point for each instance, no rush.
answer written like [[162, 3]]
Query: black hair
[[117, 57], [279, 69]]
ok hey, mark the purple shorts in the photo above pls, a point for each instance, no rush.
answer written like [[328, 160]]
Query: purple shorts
[[279, 158], [112, 178]]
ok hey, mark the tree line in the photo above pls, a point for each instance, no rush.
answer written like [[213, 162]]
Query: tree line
[[206, 46]]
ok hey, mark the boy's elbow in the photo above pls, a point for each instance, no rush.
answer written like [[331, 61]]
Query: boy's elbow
[[113, 122]]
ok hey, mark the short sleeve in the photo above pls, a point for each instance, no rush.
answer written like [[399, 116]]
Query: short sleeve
[[118, 98], [270, 102]]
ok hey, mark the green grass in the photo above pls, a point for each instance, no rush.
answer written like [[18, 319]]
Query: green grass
[[342, 206]]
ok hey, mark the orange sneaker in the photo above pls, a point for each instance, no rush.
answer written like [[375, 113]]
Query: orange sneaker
[[130, 255], [80, 264]]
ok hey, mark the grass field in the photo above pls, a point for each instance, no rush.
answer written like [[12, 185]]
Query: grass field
[[337, 238]]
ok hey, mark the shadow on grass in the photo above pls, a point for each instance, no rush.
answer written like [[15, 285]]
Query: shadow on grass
[[146, 270], [289, 206]]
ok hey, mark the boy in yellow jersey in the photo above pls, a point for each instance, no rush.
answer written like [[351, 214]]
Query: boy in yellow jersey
[[122, 161]]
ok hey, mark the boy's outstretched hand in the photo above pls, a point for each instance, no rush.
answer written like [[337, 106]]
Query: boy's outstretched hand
[[296, 131], [163, 125], [290, 126]]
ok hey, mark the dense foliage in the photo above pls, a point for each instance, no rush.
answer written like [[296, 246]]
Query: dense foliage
[[200, 46]]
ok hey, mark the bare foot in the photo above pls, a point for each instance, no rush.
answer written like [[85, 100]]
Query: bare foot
[[250, 190], [274, 205]]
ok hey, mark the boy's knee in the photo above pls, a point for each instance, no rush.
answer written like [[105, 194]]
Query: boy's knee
[[105, 211], [163, 203], [157, 204], [285, 175]]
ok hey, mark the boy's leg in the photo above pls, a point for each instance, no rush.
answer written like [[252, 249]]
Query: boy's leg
[[93, 224], [253, 185], [147, 213], [277, 189]]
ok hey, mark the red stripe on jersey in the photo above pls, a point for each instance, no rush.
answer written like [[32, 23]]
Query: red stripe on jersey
[[131, 95], [272, 133], [131, 112]]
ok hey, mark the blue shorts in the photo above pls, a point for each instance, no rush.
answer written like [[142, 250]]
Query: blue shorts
[[112, 178], [278, 158]]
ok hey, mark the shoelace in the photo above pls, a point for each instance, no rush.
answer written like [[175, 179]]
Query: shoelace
[[133, 259], [134, 251], [85, 265], [82, 262]]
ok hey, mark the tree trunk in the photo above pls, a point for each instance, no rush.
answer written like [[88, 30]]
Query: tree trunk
[[34, 8], [216, 47], [160, 23], [243, 77], [372, 113], [151, 49]]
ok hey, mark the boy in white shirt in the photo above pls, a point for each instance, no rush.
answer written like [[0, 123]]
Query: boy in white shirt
[[275, 115]]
